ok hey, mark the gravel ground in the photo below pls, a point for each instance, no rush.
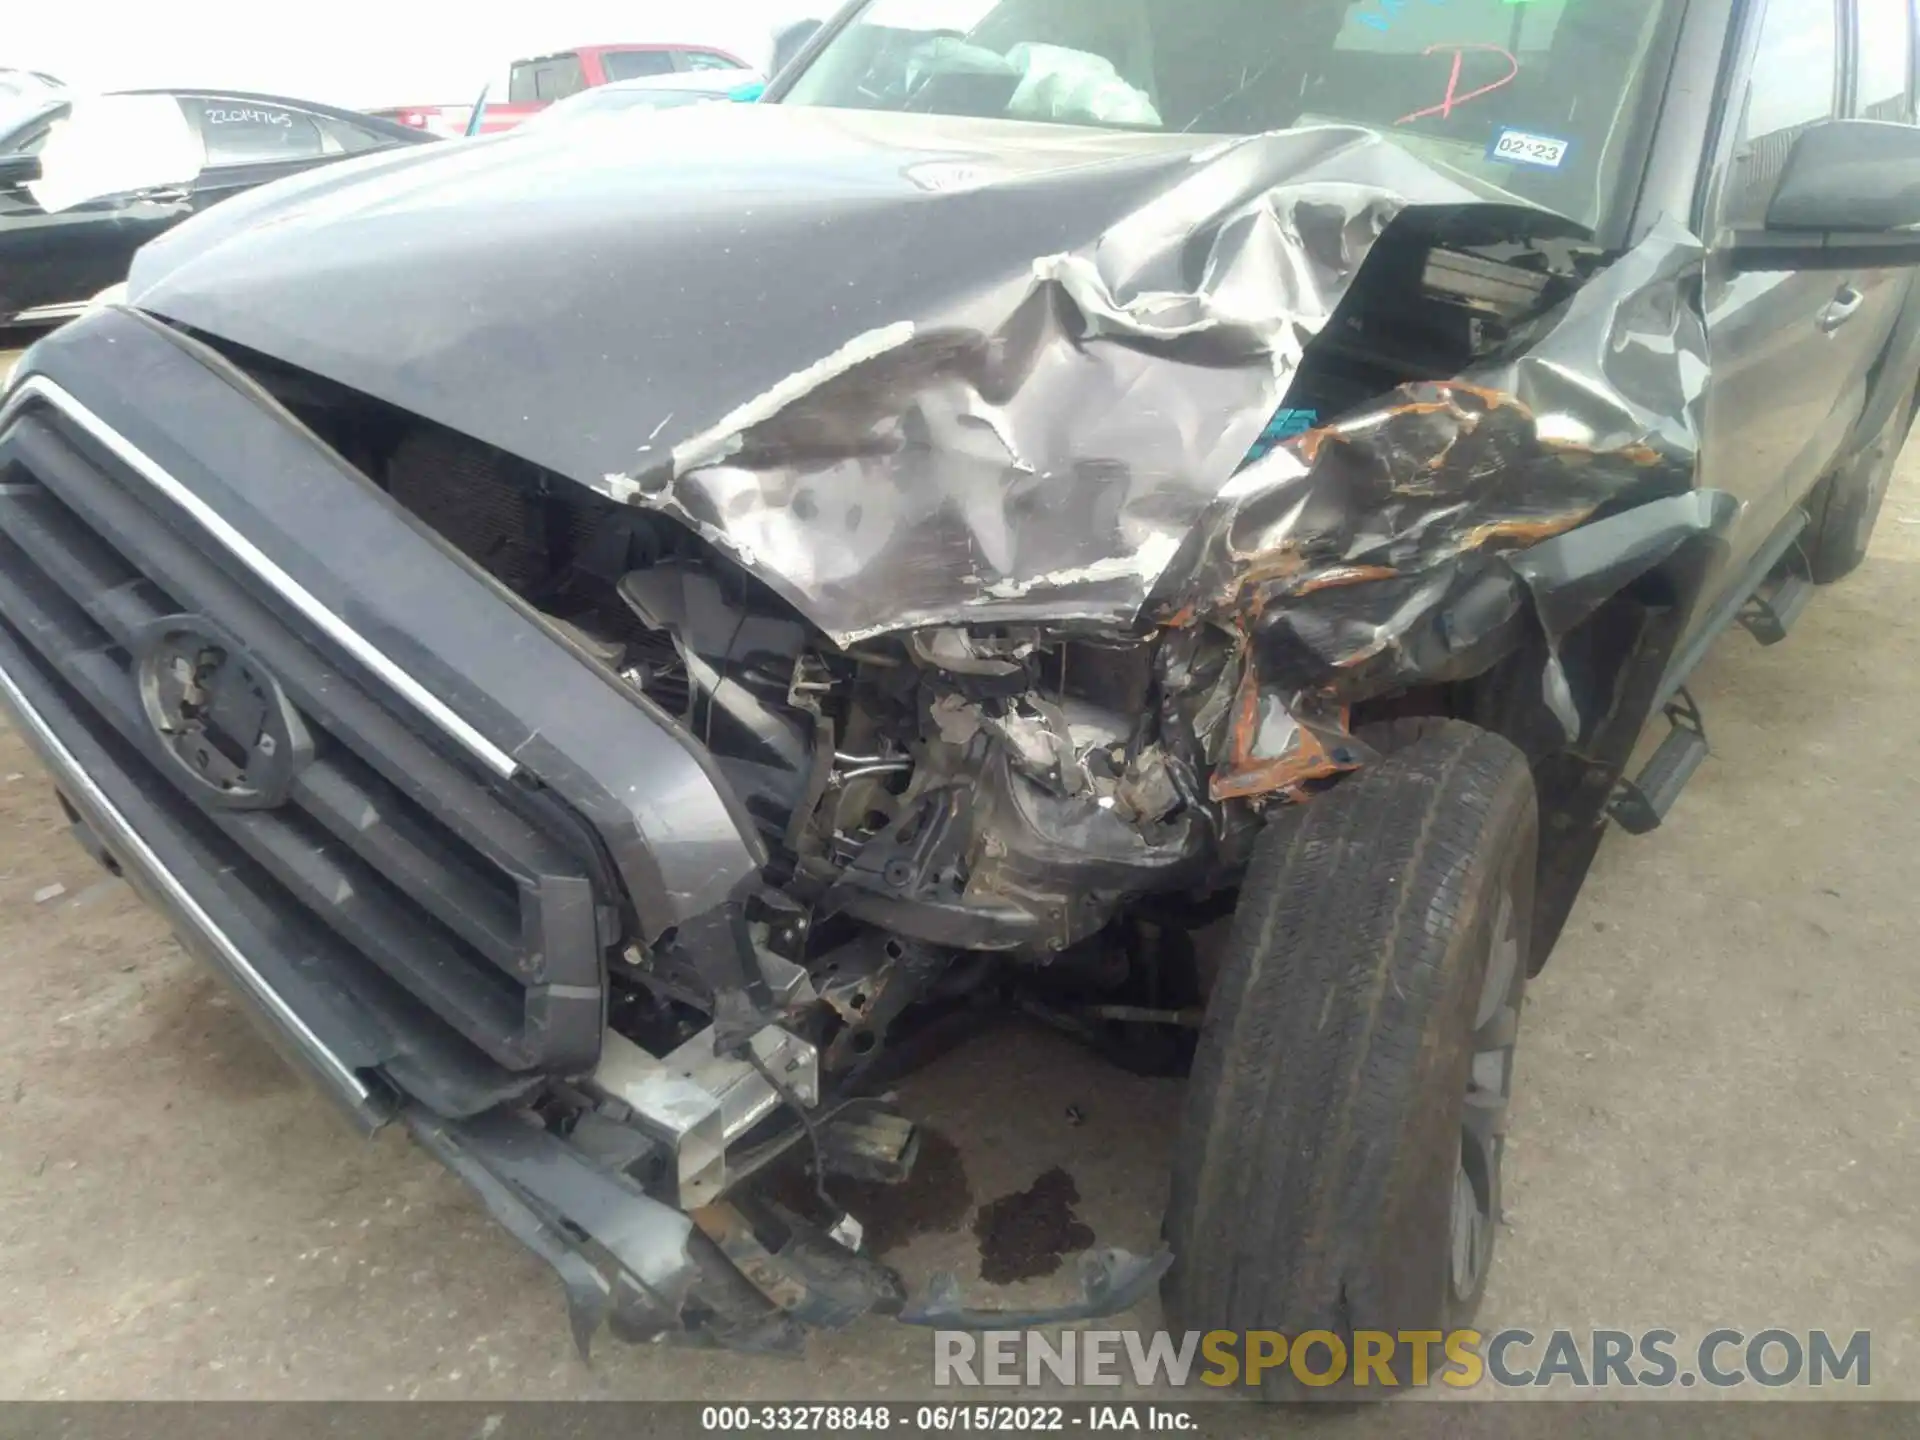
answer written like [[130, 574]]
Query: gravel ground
[[1715, 1123]]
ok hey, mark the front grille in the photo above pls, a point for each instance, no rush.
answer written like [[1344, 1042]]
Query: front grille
[[445, 878]]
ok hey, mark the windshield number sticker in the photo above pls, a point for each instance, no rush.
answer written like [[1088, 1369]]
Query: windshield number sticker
[[217, 116], [1519, 148]]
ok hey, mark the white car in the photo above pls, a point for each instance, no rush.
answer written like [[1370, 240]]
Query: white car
[[30, 85]]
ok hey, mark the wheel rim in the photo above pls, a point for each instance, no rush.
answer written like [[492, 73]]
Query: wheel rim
[[1483, 1120]]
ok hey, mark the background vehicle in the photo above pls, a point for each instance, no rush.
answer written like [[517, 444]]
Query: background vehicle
[[19, 86], [656, 92], [442, 121], [536, 83], [790, 40], [167, 155], [1051, 478]]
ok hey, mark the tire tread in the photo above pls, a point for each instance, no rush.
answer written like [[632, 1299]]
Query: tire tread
[[1294, 1158]]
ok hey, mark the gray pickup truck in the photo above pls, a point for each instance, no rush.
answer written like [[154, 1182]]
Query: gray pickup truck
[[619, 643]]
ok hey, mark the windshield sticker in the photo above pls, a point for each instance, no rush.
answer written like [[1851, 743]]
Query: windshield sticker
[[1518, 147], [218, 115], [1453, 99]]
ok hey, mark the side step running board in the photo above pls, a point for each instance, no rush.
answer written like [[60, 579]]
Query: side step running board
[[1739, 596], [1766, 604], [1773, 608], [1640, 804]]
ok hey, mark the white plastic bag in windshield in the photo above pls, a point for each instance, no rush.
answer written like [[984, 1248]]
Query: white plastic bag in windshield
[[114, 145], [1074, 85]]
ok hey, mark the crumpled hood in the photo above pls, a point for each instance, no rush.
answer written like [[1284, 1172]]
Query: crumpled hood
[[903, 367]]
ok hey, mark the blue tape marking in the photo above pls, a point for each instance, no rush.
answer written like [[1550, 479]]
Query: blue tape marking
[[1284, 425]]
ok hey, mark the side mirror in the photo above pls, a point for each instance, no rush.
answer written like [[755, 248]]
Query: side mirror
[[1848, 198], [1849, 177], [16, 170]]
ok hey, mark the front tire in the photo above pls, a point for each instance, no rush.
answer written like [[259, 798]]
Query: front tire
[[1338, 1166]]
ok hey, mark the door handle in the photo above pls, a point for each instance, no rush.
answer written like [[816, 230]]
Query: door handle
[[164, 195], [1842, 308]]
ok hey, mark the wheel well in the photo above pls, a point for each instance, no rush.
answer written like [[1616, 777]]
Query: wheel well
[[1603, 677]]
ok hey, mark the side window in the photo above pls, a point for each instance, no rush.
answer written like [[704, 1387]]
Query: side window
[[635, 64], [1795, 84], [558, 78], [705, 60], [343, 137], [1884, 60], [247, 132], [553, 77]]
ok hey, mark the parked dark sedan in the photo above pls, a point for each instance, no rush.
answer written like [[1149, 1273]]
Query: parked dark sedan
[[84, 182]]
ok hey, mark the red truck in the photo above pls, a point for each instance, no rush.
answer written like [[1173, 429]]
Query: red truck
[[533, 84]]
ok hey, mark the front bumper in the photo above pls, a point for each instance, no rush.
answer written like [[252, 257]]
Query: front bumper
[[419, 921], [444, 716], [621, 1256]]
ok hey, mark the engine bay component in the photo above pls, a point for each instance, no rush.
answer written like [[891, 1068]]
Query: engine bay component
[[698, 1102]]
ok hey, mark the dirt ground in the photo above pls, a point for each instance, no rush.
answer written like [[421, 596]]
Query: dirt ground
[[1715, 1123]]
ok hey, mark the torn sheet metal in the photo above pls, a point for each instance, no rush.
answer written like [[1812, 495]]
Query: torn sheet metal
[[1422, 538], [1050, 464], [897, 403], [1031, 398], [1281, 743], [809, 1276]]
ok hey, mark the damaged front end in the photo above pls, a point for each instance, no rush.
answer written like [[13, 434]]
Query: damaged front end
[[1004, 609]]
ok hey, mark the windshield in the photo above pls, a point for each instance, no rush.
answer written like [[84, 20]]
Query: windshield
[[650, 99], [1537, 97], [638, 64], [607, 100]]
